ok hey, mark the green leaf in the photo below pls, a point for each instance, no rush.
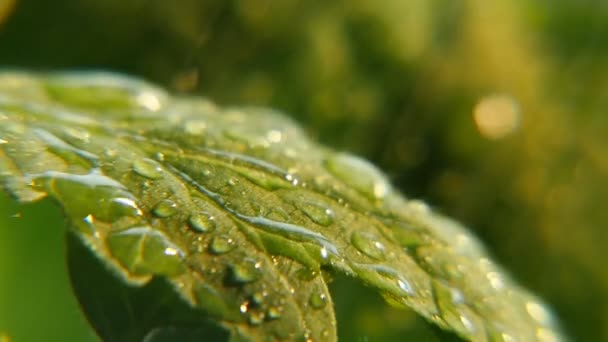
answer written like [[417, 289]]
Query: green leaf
[[237, 215]]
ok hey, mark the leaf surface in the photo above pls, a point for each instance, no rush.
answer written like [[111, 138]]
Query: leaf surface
[[241, 213]]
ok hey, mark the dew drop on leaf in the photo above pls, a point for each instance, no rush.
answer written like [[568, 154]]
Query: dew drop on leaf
[[256, 317], [164, 208], [221, 244], [257, 298], [418, 207], [317, 300], [246, 271], [496, 280], [147, 168], [103, 197], [547, 335], [273, 312], [467, 323], [195, 127], [436, 263], [385, 278], [201, 223], [539, 313], [318, 213], [122, 206], [306, 274], [244, 307], [297, 205], [368, 244], [405, 286]]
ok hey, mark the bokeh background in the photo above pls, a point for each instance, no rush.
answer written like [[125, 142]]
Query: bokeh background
[[492, 111]]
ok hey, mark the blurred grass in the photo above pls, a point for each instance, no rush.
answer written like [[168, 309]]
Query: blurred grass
[[400, 81]]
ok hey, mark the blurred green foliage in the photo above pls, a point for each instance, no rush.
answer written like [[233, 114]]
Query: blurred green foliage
[[36, 302], [397, 82]]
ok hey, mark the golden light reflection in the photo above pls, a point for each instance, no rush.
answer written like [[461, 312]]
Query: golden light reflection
[[496, 116], [6, 7]]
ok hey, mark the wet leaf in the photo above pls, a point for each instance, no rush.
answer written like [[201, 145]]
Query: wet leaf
[[240, 214]]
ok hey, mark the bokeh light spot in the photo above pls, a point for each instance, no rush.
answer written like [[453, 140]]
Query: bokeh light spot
[[496, 116]]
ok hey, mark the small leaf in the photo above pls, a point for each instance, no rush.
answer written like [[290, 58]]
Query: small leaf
[[240, 213]]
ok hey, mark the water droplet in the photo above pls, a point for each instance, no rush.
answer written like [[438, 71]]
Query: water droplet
[[127, 206], [195, 127], [149, 100], [504, 337], [171, 251], [368, 244], [78, 133], [221, 244], [386, 278], [90, 194], [418, 207], [143, 250], [547, 335], [405, 286], [210, 300], [274, 136], [89, 219], [165, 208], [258, 298], [244, 272], [437, 263], [467, 323], [256, 317], [457, 296], [318, 213], [110, 152], [539, 313], [496, 280], [87, 226], [324, 253], [201, 223], [266, 180], [292, 179], [274, 312], [306, 274], [360, 174], [317, 300], [148, 168], [159, 156], [450, 303]]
